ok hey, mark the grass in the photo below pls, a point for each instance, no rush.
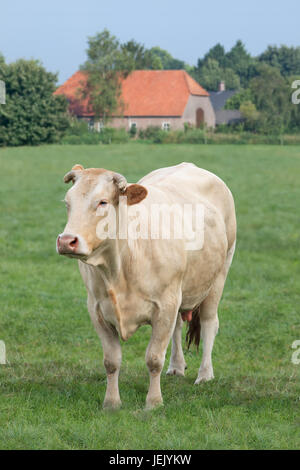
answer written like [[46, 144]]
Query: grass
[[52, 388]]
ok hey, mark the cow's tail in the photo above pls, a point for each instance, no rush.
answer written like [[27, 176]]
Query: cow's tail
[[194, 328]]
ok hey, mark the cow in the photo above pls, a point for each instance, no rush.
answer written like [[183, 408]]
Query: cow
[[157, 281]]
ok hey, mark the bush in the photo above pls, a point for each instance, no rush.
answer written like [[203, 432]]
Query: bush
[[32, 115], [235, 127], [110, 135], [77, 127], [79, 134], [194, 136], [151, 133], [133, 132], [158, 136], [172, 137]]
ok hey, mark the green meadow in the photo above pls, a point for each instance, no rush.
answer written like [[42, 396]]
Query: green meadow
[[53, 385]]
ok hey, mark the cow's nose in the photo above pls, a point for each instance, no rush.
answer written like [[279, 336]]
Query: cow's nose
[[67, 244]]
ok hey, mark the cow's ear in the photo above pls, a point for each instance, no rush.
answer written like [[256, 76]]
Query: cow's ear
[[135, 193], [78, 167], [71, 175]]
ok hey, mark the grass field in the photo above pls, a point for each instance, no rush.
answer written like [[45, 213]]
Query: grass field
[[52, 388]]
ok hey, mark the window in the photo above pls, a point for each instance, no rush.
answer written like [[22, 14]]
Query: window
[[166, 126], [95, 126], [132, 129], [99, 126]]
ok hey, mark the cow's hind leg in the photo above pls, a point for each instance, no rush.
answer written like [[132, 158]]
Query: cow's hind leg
[[177, 363], [209, 321], [209, 327]]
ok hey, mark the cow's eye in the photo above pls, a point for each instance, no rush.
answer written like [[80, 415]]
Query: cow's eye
[[102, 203]]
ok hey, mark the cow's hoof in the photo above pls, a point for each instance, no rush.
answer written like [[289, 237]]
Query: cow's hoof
[[204, 377], [175, 371], [112, 404], [153, 403]]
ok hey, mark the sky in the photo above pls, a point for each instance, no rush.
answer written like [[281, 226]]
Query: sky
[[55, 32]]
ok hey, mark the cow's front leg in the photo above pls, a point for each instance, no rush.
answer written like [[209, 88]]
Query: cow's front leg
[[112, 362], [112, 356], [162, 329], [177, 363]]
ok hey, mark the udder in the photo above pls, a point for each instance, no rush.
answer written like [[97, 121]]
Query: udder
[[187, 315]]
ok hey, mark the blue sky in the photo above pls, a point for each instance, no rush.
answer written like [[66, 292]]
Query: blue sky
[[55, 32]]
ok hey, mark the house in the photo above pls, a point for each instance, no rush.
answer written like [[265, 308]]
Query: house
[[218, 100], [164, 98]]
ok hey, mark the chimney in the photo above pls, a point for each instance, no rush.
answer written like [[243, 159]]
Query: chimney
[[222, 86]]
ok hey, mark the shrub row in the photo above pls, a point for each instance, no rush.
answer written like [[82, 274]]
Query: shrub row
[[80, 134], [201, 136]]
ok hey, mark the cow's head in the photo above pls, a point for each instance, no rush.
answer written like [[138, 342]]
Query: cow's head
[[92, 188]]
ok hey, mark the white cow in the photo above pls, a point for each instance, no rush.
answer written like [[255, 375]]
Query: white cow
[[155, 281]]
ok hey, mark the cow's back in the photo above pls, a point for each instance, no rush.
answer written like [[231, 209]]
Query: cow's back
[[187, 183]]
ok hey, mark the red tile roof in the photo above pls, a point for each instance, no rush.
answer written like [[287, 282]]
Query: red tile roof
[[144, 93]]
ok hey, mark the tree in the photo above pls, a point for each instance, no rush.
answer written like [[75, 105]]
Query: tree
[[105, 67], [286, 59], [216, 53], [235, 102], [166, 60], [138, 58], [32, 114], [211, 74], [239, 60], [272, 98], [217, 66], [250, 114]]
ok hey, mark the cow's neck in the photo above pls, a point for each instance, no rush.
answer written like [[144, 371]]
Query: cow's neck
[[116, 263], [106, 259]]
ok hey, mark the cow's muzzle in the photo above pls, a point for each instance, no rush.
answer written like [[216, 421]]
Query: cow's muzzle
[[67, 244]]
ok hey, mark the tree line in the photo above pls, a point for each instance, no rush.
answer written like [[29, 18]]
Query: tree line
[[32, 114], [264, 84]]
